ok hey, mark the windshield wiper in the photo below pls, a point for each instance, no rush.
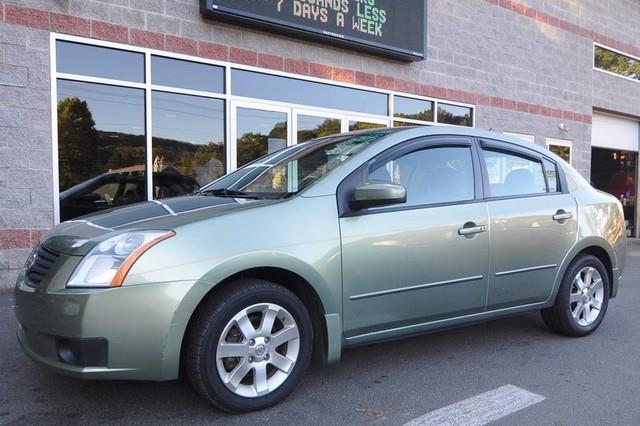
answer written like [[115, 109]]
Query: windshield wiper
[[225, 192]]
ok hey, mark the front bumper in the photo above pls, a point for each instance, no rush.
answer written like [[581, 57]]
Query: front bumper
[[143, 326]]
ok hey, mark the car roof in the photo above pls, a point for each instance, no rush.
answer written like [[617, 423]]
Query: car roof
[[411, 132]]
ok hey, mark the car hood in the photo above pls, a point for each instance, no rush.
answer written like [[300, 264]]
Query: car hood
[[74, 237]]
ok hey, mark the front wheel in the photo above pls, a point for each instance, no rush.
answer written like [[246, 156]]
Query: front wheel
[[582, 299], [248, 346]]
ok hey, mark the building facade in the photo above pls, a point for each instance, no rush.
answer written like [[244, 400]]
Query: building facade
[[105, 103]]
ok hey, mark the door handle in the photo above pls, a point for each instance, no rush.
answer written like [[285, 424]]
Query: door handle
[[470, 230], [562, 215]]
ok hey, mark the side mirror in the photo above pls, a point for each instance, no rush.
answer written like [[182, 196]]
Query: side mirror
[[376, 193]]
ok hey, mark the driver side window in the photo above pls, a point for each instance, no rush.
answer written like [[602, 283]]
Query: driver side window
[[432, 175]]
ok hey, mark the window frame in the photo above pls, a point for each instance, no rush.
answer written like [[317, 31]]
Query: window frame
[[399, 150], [227, 97], [519, 151], [567, 143], [614, 50]]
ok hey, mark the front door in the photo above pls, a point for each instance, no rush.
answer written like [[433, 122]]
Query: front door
[[422, 260], [532, 225], [258, 130]]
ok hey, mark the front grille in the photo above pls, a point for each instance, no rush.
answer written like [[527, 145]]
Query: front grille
[[40, 265]]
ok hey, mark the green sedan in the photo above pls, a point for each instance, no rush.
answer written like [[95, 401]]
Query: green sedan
[[341, 241]]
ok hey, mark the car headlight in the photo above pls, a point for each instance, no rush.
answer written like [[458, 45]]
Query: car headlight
[[108, 263]]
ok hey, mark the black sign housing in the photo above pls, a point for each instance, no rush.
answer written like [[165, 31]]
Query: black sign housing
[[392, 28]]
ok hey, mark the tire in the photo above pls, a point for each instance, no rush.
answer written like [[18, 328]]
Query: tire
[[256, 354], [575, 311]]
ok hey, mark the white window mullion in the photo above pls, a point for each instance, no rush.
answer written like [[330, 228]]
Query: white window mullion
[[229, 122], [54, 131], [148, 125]]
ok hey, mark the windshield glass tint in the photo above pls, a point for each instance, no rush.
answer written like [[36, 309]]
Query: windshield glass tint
[[293, 169]]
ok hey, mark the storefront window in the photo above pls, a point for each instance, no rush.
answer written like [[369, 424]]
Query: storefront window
[[135, 124], [101, 147], [188, 142], [311, 127], [186, 74], [284, 89], [259, 133], [406, 124], [103, 62], [560, 147], [454, 114], [415, 109], [362, 125], [617, 63]]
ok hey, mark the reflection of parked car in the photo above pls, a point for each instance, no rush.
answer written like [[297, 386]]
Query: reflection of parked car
[[119, 188]]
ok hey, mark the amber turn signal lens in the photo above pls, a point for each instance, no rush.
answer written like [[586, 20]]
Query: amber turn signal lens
[[118, 279]]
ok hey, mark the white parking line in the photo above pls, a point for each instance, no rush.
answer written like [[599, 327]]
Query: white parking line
[[480, 409]]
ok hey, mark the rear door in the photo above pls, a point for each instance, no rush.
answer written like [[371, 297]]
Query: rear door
[[423, 260], [532, 223]]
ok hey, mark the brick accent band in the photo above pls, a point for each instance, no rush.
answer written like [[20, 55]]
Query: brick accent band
[[67, 24], [544, 18], [20, 238]]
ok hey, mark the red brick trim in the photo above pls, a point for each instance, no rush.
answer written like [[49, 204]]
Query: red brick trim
[[20, 238], [67, 24], [544, 18]]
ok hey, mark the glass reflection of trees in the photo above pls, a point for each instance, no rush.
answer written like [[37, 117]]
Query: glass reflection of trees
[[311, 127], [617, 63], [101, 140], [260, 132], [254, 145], [85, 151], [453, 114], [363, 125], [188, 141]]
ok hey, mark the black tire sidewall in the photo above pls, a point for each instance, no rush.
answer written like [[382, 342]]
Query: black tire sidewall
[[563, 304], [212, 382]]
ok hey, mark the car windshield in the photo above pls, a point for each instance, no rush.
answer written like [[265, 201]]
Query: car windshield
[[292, 169]]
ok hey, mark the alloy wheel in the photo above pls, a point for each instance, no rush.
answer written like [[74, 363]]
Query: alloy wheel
[[587, 296], [257, 350]]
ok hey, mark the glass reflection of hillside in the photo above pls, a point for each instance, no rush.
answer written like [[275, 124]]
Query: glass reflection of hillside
[[86, 152]]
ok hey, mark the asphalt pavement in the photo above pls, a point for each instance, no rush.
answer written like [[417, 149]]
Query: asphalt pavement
[[567, 381]]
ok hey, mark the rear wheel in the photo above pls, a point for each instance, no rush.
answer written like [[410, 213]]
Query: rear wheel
[[582, 299], [248, 347]]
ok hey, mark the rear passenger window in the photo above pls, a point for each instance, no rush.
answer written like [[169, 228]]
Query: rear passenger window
[[512, 175], [432, 175], [551, 172]]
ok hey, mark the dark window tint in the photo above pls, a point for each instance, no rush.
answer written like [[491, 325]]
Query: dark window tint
[[454, 114], [415, 109], [511, 174], [101, 147], [551, 172], [188, 142], [186, 74], [617, 63], [434, 175], [103, 62], [259, 133], [284, 89]]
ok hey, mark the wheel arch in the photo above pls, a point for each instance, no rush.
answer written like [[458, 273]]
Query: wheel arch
[[595, 246], [293, 282], [327, 347]]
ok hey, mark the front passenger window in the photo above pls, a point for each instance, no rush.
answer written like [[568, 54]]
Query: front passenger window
[[432, 175]]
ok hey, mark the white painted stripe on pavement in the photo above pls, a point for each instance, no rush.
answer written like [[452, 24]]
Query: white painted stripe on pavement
[[481, 409]]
